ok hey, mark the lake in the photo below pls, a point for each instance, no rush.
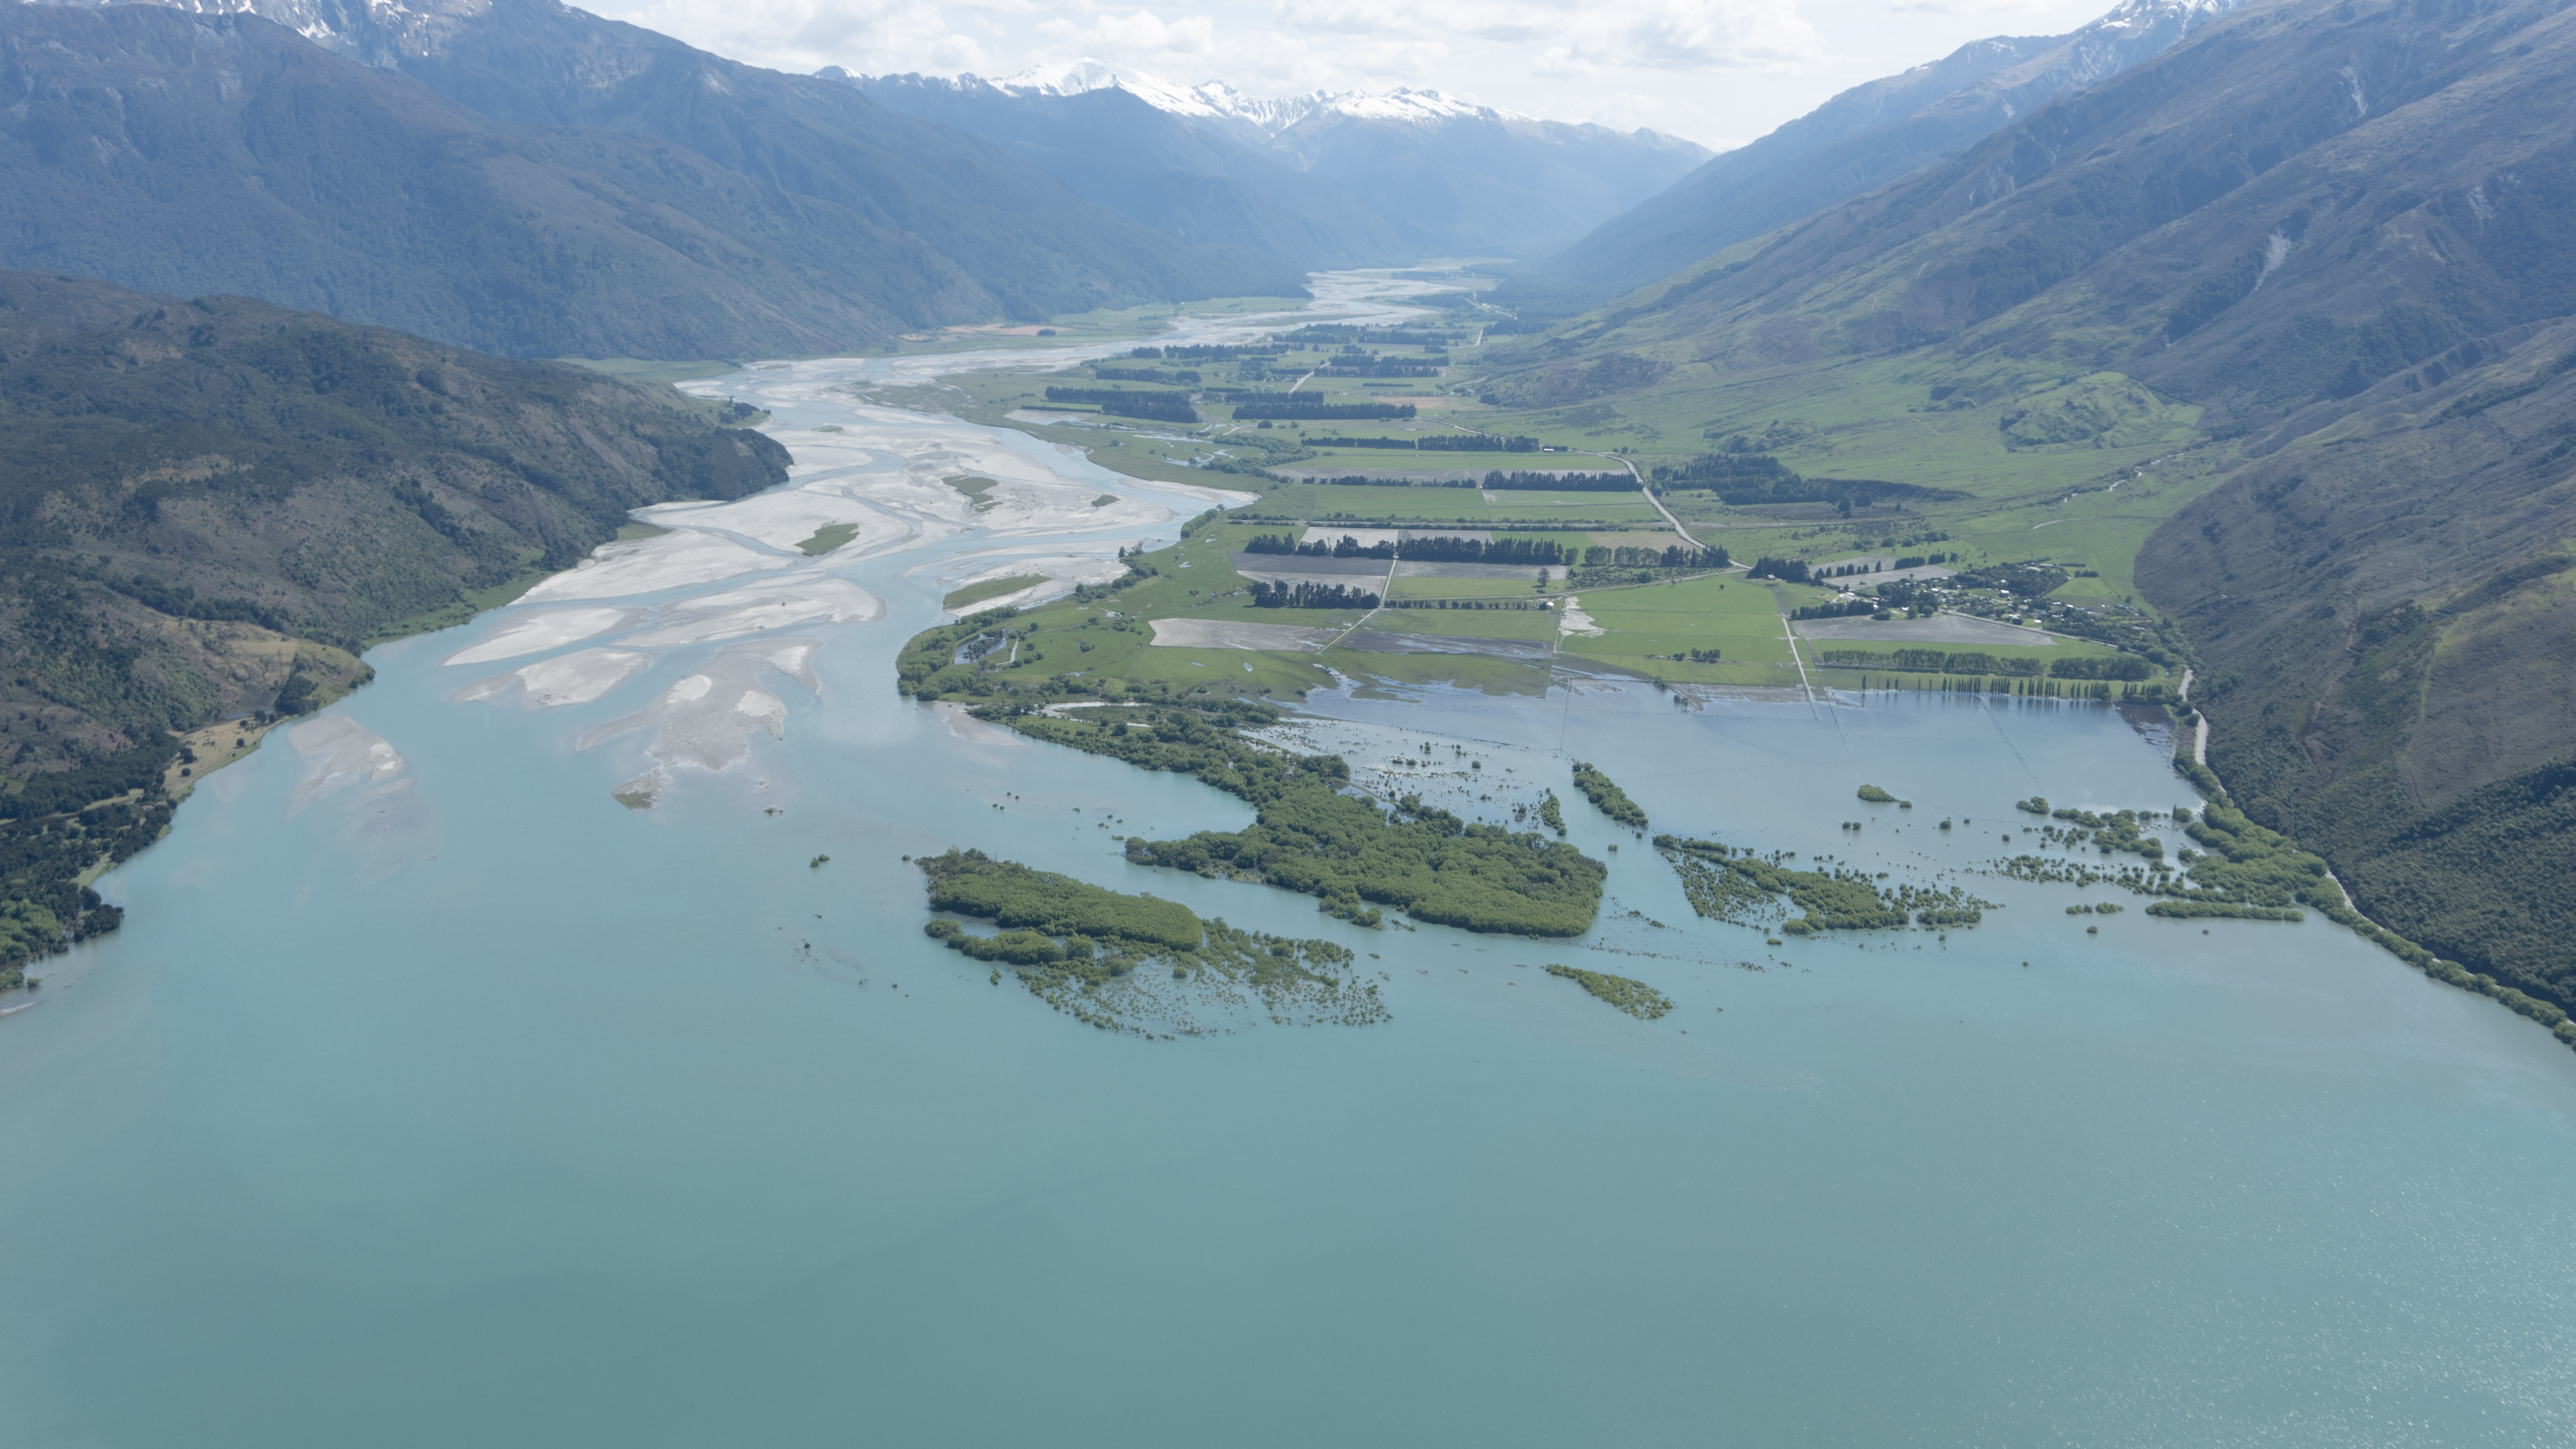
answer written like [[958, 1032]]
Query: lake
[[462, 1104]]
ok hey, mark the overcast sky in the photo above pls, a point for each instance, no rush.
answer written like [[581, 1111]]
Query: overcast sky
[[1720, 72]]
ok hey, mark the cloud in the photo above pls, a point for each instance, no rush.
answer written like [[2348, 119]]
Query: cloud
[[1584, 37], [1139, 33]]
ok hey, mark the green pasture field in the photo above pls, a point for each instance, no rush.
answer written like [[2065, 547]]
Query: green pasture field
[[1467, 623], [1527, 588], [1738, 618]]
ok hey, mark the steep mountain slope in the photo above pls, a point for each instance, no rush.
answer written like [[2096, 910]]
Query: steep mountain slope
[[1447, 176], [1862, 138], [1114, 148], [223, 154], [2337, 231], [1023, 244], [206, 507]]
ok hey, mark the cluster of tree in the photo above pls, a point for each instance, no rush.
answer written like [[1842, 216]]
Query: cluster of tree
[[1437, 548], [1726, 884], [1441, 548], [1428, 443], [1523, 605], [2029, 578], [1787, 570], [1010, 894], [1607, 797], [1311, 596], [1920, 560], [1312, 837], [1626, 993], [1347, 547], [1378, 367], [1073, 944], [1163, 407], [52, 840], [1146, 374], [1586, 481], [1938, 661], [1283, 407], [1746, 480], [2120, 666], [1849, 608], [1678, 556]]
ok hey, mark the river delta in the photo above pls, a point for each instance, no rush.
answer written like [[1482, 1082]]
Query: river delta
[[544, 1045]]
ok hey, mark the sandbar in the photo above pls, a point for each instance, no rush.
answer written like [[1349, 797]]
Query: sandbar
[[647, 565], [550, 629], [338, 753], [806, 598], [576, 678]]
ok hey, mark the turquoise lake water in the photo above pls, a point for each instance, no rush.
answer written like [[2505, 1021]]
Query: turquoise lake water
[[487, 1111]]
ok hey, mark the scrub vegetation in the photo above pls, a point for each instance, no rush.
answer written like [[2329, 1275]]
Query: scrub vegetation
[[1316, 834], [1134, 963], [1626, 993], [1607, 797], [1726, 883]]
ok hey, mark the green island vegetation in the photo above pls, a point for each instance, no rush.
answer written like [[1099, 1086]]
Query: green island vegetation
[[1741, 888], [1133, 963], [979, 591], [1607, 797], [1314, 834], [1551, 813], [827, 538], [1876, 796], [1626, 993], [2241, 871]]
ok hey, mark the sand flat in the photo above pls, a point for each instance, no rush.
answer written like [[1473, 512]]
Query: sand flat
[[532, 633], [575, 678], [807, 598], [338, 754], [678, 559]]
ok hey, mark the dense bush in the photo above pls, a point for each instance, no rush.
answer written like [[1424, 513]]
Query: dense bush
[[1312, 837], [1607, 797]]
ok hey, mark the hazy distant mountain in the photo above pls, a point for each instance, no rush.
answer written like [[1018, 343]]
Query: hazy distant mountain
[[224, 155], [1006, 238], [1433, 174], [1868, 135], [1112, 147]]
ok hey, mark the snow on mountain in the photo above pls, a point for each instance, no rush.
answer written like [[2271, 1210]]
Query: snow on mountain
[[1219, 102]]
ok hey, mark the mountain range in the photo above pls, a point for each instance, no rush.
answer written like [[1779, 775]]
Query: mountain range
[[1862, 138], [1321, 180], [526, 178], [2331, 233]]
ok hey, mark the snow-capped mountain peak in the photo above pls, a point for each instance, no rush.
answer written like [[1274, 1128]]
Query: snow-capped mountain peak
[[1217, 101]]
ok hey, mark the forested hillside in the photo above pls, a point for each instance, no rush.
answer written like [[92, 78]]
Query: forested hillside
[[2326, 242], [702, 208], [204, 503]]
